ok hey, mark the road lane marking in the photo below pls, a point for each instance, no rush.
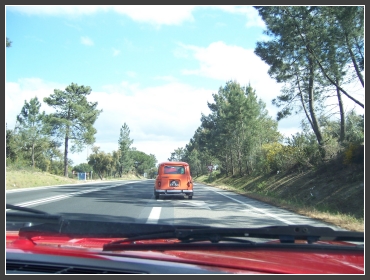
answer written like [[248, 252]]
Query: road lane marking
[[59, 197], [154, 215], [254, 208], [196, 203]]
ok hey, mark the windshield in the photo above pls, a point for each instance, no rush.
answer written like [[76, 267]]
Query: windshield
[[173, 170], [224, 117]]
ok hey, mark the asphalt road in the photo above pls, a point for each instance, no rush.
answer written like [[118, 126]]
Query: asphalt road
[[133, 201]]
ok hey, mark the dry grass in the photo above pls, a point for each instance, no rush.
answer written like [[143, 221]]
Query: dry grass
[[18, 179], [26, 179]]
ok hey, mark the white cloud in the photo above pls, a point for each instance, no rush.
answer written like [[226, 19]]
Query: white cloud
[[86, 41], [226, 62], [160, 119], [161, 154], [251, 14], [153, 112], [16, 93], [157, 14], [153, 14], [166, 78]]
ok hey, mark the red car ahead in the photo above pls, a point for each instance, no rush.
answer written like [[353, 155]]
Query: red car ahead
[[40, 243]]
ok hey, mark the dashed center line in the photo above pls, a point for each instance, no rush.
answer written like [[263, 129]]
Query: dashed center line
[[154, 215]]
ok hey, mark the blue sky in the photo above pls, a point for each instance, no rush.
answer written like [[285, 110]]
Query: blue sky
[[145, 64]]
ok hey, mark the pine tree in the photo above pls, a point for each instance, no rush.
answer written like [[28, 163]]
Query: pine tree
[[74, 118], [124, 143], [31, 128]]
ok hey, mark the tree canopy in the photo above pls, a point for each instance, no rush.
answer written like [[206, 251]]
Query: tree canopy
[[314, 51], [233, 133]]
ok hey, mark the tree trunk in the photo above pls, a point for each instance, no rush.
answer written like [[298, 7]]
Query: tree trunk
[[239, 158], [33, 155], [302, 101], [232, 163], [66, 156], [359, 75], [342, 117], [315, 124], [240, 163], [226, 168]]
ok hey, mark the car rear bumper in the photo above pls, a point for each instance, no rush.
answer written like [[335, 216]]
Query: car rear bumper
[[172, 192]]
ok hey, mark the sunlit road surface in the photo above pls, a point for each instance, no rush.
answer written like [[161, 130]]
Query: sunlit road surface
[[133, 201]]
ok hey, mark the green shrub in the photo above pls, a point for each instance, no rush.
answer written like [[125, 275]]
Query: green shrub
[[354, 153]]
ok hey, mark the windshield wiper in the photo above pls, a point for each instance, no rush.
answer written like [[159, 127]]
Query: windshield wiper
[[24, 209], [36, 223], [34, 216], [285, 234], [185, 234]]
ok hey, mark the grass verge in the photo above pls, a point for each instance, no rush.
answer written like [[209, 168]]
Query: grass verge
[[331, 199], [28, 178]]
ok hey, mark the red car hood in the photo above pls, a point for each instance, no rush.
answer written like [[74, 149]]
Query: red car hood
[[250, 260]]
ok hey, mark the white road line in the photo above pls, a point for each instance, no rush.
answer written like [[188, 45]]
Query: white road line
[[59, 197], [196, 203], [154, 215], [256, 209]]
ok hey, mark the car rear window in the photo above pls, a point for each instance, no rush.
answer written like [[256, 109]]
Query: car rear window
[[174, 170]]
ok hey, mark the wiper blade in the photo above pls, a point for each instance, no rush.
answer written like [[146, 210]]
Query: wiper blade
[[99, 229], [285, 234], [24, 209], [33, 218], [130, 232]]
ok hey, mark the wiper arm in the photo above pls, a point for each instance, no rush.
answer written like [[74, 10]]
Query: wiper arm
[[286, 234], [35, 216], [95, 228]]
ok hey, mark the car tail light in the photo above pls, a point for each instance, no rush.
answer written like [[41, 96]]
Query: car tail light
[[159, 184]]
